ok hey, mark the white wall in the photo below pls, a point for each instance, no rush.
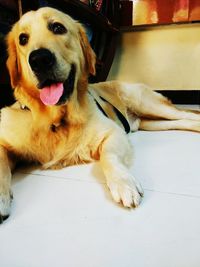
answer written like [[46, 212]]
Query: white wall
[[165, 57]]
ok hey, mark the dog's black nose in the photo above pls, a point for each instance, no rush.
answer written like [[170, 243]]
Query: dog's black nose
[[41, 60]]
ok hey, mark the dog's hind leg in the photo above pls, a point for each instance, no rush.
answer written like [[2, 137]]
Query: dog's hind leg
[[162, 125], [142, 101], [5, 184], [147, 103]]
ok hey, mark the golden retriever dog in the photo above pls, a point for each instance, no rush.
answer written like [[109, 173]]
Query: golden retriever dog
[[59, 119]]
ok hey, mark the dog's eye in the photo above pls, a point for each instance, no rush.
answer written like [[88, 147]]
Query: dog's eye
[[57, 28], [23, 39]]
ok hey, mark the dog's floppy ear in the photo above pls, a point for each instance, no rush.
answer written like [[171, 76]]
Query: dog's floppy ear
[[90, 57], [12, 61]]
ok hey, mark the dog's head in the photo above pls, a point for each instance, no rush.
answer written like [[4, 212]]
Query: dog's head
[[49, 53]]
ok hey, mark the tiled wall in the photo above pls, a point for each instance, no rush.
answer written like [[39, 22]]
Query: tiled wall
[[165, 57]]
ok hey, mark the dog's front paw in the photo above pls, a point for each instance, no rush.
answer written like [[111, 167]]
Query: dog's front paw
[[5, 206], [127, 191]]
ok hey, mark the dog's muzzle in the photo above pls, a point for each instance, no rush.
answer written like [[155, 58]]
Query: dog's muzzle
[[53, 90]]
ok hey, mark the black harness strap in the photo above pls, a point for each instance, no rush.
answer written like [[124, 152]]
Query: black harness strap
[[121, 117], [99, 106], [123, 120]]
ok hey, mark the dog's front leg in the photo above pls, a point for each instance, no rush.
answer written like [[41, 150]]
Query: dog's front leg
[[115, 158], [5, 184]]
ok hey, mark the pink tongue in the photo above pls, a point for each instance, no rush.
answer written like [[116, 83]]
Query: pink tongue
[[50, 95]]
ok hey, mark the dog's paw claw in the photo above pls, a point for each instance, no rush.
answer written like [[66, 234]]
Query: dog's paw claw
[[127, 192], [3, 218], [5, 205]]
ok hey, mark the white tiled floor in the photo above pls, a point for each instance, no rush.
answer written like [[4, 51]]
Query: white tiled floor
[[67, 218]]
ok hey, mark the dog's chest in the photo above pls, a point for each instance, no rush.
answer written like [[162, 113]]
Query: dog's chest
[[60, 148]]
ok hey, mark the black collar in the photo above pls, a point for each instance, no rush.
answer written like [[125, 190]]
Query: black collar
[[23, 107]]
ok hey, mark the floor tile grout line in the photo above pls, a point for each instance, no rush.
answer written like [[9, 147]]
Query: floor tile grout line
[[63, 178], [173, 193], [79, 180]]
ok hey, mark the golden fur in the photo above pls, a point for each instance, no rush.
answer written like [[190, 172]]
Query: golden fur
[[76, 131]]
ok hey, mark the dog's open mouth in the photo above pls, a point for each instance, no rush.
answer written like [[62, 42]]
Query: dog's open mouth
[[57, 92]]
